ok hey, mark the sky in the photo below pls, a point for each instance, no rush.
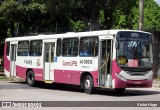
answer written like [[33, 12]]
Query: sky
[[158, 1]]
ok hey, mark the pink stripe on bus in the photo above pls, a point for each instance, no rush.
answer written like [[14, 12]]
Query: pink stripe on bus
[[6, 60], [72, 76], [115, 68], [21, 72]]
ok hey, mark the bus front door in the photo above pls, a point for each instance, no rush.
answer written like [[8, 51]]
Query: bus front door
[[105, 50], [49, 62], [13, 60]]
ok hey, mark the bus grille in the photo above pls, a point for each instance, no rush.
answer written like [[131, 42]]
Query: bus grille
[[137, 73]]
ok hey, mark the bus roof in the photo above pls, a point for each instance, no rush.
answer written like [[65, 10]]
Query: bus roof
[[70, 35]]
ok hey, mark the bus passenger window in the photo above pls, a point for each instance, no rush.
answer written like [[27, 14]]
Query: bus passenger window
[[23, 48], [70, 46], [35, 48], [89, 46]]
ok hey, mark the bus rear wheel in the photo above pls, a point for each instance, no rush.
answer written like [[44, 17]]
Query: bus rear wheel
[[30, 78], [88, 85]]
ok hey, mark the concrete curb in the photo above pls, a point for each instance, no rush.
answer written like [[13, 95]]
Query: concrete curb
[[2, 73], [156, 85], [15, 79]]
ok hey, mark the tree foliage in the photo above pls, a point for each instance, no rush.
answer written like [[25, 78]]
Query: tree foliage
[[18, 17], [3, 33], [24, 16], [151, 16]]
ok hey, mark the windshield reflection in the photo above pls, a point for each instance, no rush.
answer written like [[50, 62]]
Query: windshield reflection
[[134, 54]]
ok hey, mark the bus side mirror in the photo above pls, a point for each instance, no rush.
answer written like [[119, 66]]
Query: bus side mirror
[[117, 44]]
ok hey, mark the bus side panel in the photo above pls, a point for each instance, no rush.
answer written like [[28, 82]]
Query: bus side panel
[[75, 77], [95, 77], [62, 76], [72, 76], [21, 72], [38, 74], [6, 60]]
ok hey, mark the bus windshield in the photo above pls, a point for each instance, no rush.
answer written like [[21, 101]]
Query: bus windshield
[[134, 54]]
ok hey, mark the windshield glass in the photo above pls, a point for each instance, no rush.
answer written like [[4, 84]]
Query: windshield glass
[[134, 54]]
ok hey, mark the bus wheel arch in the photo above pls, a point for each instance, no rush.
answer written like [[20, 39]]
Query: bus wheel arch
[[30, 77], [87, 77]]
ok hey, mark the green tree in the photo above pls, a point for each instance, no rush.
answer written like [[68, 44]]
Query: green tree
[[3, 33], [76, 15], [121, 14], [118, 14], [12, 11], [77, 25], [151, 16], [22, 16]]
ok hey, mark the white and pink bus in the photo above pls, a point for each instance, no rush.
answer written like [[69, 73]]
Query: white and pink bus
[[116, 59]]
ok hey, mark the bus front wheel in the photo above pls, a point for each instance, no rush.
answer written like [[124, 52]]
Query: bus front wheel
[[88, 85], [30, 78]]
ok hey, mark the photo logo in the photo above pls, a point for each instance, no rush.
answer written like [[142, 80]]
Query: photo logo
[[21, 104], [6, 104]]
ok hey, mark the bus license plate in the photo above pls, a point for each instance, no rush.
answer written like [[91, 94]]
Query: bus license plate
[[137, 82]]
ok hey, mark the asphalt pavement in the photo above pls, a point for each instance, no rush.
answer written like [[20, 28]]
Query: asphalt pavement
[[65, 96]]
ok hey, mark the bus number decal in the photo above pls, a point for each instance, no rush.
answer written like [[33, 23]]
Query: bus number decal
[[85, 61], [28, 62]]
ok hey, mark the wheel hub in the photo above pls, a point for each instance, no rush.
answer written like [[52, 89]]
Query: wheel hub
[[30, 79], [87, 84]]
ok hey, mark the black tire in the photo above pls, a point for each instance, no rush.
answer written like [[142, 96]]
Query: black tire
[[120, 90], [30, 78], [88, 85]]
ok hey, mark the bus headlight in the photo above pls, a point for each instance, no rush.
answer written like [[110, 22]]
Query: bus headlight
[[120, 77]]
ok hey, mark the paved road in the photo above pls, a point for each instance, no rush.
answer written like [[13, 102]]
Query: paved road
[[19, 91]]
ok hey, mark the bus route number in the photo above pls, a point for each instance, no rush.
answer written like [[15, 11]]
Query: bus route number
[[85, 61]]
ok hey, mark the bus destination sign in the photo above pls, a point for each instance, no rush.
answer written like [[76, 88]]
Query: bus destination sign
[[124, 35]]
